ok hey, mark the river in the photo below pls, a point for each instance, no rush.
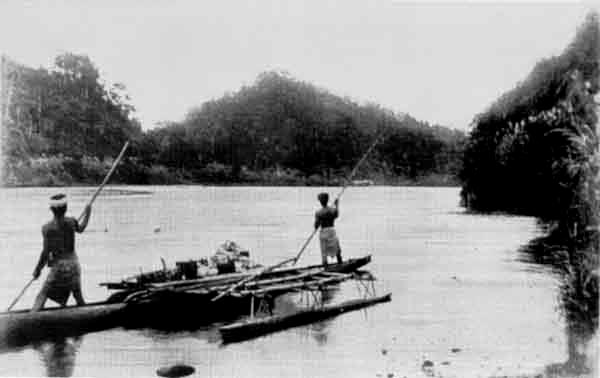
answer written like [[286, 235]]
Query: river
[[463, 296]]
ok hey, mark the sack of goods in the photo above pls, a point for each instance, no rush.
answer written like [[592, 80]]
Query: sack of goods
[[231, 257]]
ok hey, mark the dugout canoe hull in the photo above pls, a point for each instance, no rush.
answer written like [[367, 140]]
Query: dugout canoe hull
[[24, 326]]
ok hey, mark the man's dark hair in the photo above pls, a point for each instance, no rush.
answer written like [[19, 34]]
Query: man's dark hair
[[323, 198], [59, 211]]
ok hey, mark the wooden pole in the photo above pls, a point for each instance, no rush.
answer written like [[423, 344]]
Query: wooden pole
[[304, 246], [20, 294], [106, 178], [362, 159], [250, 278]]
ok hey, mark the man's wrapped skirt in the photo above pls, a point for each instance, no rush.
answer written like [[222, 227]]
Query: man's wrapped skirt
[[63, 279], [330, 245]]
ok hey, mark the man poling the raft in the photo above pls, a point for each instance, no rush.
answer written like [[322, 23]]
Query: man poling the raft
[[59, 249], [327, 237], [58, 253], [325, 219]]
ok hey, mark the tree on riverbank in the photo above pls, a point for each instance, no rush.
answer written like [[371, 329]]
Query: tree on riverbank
[[56, 121], [535, 150]]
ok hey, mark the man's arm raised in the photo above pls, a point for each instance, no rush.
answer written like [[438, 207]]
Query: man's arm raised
[[86, 218]]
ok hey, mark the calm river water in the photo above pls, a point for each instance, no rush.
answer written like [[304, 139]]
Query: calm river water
[[463, 296]]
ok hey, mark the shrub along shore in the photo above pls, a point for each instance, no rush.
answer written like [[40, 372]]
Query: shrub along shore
[[57, 171]]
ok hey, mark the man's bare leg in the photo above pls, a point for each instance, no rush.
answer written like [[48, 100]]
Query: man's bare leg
[[40, 299], [78, 296]]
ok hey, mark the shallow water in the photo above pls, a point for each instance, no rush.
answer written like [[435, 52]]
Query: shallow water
[[462, 296]]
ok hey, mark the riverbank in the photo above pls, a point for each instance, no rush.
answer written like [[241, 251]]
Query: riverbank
[[575, 264], [62, 171]]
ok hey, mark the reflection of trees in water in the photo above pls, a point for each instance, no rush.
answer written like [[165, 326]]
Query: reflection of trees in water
[[576, 264], [59, 356]]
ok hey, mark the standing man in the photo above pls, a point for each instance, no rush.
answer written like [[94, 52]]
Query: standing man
[[325, 218], [59, 253]]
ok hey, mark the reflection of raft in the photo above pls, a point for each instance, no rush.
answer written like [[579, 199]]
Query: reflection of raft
[[172, 304]]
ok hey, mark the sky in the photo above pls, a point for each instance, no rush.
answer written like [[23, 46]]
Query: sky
[[440, 62]]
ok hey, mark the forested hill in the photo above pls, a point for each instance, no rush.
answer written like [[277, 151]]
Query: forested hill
[[64, 122], [283, 129], [535, 150], [59, 125]]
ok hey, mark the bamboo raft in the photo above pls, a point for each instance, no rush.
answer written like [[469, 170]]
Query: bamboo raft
[[176, 304], [211, 286], [194, 300]]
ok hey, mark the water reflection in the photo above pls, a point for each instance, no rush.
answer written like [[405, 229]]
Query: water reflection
[[59, 355], [576, 265], [208, 333], [320, 331]]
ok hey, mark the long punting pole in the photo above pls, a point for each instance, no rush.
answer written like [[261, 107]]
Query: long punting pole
[[294, 260], [20, 294], [106, 178]]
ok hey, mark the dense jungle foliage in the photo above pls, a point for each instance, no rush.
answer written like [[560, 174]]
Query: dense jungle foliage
[[535, 150], [64, 123]]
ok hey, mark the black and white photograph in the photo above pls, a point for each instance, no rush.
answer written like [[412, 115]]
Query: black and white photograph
[[299, 188]]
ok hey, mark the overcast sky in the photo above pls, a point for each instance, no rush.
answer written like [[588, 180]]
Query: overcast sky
[[440, 63]]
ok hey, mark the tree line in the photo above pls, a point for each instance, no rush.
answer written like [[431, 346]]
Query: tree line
[[65, 122], [535, 149]]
